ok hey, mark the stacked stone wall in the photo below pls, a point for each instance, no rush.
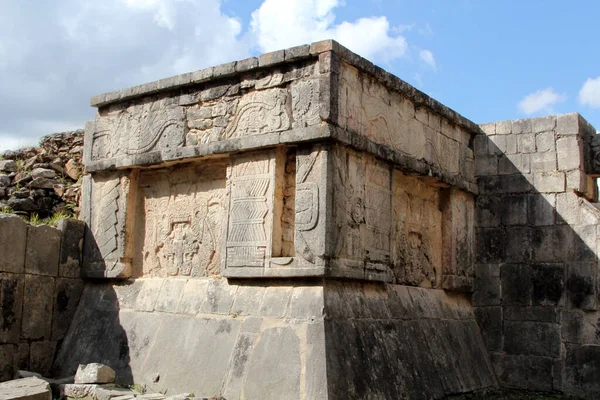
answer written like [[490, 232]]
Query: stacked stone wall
[[39, 291], [536, 287]]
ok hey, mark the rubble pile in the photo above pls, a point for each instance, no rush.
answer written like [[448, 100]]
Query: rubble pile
[[92, 381], [43, 180]]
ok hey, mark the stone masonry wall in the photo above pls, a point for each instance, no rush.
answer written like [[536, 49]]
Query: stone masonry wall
[[536, 288], [39, 291]]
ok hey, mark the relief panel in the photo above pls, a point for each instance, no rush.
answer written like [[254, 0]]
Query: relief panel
[[251, 180], [310, 204], [182, 219], [137, 129], [366, 107], [305, 102], [107, 247], [362, 211], [417, 237]]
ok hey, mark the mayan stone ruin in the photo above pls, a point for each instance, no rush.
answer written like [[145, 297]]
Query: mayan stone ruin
[[305, 225]]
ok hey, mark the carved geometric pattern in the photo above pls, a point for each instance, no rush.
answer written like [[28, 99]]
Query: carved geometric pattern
[[106, 233]]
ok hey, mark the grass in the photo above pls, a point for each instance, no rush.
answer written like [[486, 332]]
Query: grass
[[6, 210], [138, 388]]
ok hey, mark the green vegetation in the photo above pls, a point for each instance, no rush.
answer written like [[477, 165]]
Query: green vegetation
[[6, 210], [138, 388]]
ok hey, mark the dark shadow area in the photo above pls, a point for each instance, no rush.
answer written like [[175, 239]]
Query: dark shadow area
[[536, 280], [96, 335]]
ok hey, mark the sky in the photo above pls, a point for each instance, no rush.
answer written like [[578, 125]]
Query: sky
[[487, 59]]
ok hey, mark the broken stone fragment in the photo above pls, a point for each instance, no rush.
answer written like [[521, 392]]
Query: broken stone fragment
[[8, 165], [25, 389], [79, 391], [42, 183], [43, 173], [94, 373], [73, 169], [4, 180], [108, 393]]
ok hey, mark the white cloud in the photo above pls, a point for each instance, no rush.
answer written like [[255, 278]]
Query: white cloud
[[542, 100], [427, 57], [589, 95], [62, 53], [304, 21]]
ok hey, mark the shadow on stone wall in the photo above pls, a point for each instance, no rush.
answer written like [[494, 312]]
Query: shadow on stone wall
[[536, 289], [97, 321]]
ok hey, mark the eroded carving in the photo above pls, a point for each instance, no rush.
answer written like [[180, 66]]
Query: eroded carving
[[259, 112], [305, 103], [417, 258], [183, 216], [138, 129]]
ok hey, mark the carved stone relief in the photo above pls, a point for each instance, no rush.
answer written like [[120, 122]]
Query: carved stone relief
[[366, 107], [305, 102], [183, 212], [417, 237], [362, 209], [249, 231], [137, 129], [309, 223], [106, 249]]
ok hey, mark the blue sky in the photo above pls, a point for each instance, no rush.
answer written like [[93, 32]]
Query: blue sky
[[488, 60]]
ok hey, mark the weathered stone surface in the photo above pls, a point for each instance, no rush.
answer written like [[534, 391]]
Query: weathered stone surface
[[43, 173], [8, 165], [41, 356], [13, 236], [94, 373], [26, 389], [7, 360], [79, 391], [66, 298], [42, 253], [37, 307], [71, 246]]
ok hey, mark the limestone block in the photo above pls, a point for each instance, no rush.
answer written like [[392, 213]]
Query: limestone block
[[543, 162], [276, 348], [219, 298], [8, 361], [548, 281], [138, 128], [582, 381], [547, 182], [37, 307], [26, 389], [94, 373], [11, 298], [66, 298], [170, 295], [107, 247], [526, 143], [79, 391], [248, 300], [22, 356], [503, 127], [486, 165], [491, 246], [580, 285], [458, 233], [489, 320], [71, 246], [305, 102], [524, 372], [146, 299], [522, 126], [194, 295], [543, 124], [567, 124], [545, 141], [487, 285], [569, 151], [275, 301], [184, 210], [542, 209], [532, 338], [480, 145], [488, 128], [13, 236], [307, 303], [41, 356]]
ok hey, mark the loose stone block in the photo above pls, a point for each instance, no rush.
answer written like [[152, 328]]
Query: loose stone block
[[13, 236], [26, 389], [37, 307], [42, 254], [94, 373]]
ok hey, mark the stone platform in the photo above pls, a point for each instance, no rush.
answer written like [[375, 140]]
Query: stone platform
[[297, 225]]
